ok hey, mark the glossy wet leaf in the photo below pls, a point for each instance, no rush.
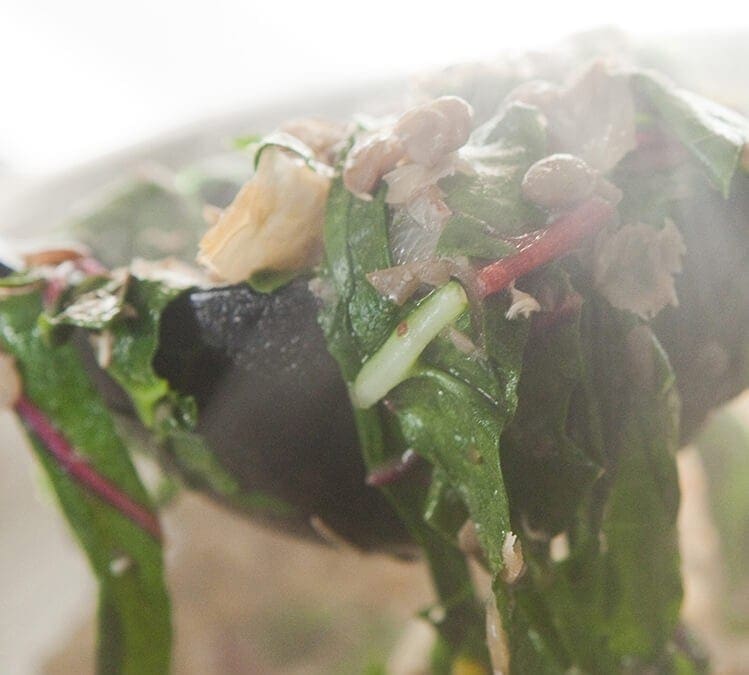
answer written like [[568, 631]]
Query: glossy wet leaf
[[713, 134], [134, 612], [487, 206]]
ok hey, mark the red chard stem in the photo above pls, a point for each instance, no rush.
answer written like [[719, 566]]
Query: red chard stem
[[79, 469], [556, 241]]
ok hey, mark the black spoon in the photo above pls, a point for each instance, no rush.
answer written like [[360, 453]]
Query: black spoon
[[273, 408]]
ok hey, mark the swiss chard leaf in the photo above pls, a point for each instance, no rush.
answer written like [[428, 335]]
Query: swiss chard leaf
[[141, 219], [641, 517], [488, 205], [134, 612], [532, 638], [356, 322], [444, 509], [616, 598], [134, 345], [548, 474], [714, 135], [130, 311], [280, 139], [268, 281], [652, 196], [458, 430], [94, 305], [454, 411], [448, 420], [518, 130]]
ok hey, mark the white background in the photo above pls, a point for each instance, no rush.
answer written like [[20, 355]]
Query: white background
[[81, 77]]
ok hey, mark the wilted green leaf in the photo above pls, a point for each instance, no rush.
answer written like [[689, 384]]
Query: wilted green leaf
[[134, 615], [713, 134], [488, 206]]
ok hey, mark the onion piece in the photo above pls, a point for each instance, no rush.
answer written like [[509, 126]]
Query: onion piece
[[408, 179], [428, 209], [410, 241], [399, 283]]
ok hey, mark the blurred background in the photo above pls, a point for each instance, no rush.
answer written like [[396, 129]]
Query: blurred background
[[81, 77], [90, 89]]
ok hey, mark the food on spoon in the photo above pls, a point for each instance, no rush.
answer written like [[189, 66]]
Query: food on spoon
[[493, 295]]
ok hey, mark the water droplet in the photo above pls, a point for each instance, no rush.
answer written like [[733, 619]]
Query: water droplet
[[119, 565], [437, 614]]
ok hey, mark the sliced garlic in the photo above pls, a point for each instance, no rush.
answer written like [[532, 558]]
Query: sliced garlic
[[274, 223]]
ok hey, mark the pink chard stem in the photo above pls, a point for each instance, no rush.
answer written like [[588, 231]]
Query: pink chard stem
[[80, 470], [393, 471]]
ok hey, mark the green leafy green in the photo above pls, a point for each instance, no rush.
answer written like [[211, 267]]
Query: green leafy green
[[453, 411], [356, 324], [652, 196], [534, 645], [94, 304], [615, 599], [547, 472], [517, 130], [643, 503], [444, 509], [268, 281], [280, 139], [134, 614], [168, 414], [713, 134], [488, 205], [458, 430], [134, 345], [141, 218]]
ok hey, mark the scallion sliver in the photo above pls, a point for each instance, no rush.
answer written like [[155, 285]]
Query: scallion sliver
[[394, 361]]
